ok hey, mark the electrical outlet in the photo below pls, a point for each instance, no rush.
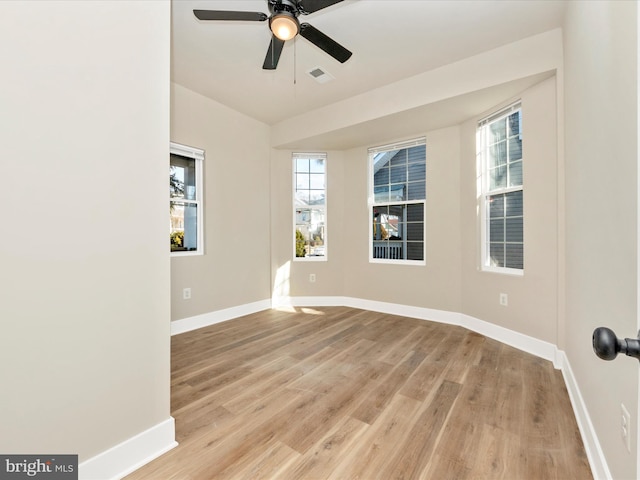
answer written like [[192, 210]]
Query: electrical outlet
[[186, 293], [504, 299], [625, 426], [312, 277]]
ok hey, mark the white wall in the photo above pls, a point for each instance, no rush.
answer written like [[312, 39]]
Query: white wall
[[84, 347], [601, 211], [235, 267]]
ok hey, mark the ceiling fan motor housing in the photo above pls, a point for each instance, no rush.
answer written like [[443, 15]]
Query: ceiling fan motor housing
[[280, 6]]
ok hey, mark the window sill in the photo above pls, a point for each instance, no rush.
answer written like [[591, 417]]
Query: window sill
[[186, 253], [418, 263], [318, 258], [513, 272]]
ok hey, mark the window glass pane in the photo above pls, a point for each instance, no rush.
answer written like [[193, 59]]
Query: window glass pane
[[514, 257], [417, 191], [515, 149], [497, 131], [513, 202], [397, 210], [302, 165], [496, 206], [381, 194], [498, 154], [496, 254], [316, 181], [415, 231], [515, 174], [417, 172], [385, 224], [184, 226], [310, 232], [398, 174], [497, 178], [416, 154], [513, 229], [302, 198], [316, 165], [182, 177], [396, 192], [302, 181], [399, 157], [496, 230], [514, 121], [316, 197], [415, 250], [415, 212], [381, 177]]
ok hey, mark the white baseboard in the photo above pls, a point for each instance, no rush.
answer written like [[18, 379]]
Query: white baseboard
[[124, 458], [597, 460], [193, 323], [528, 344], [531, 345], [517, 340]]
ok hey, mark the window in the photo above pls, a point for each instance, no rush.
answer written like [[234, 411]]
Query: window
[[397, 195], [499, 147], [310, 206], [185, 200]]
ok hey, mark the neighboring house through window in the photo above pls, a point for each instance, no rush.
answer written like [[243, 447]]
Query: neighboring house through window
[[310, 206], [185, 200], [499, 148], [397, 193]]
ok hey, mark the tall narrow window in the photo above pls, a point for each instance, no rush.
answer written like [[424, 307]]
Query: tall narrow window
[[310, 206], [185, 199], [499, 147], [397, 196]]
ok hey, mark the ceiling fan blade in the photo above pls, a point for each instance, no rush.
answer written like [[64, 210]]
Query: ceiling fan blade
[[325, 43], [273, 54], [230, 15], [310, 6]]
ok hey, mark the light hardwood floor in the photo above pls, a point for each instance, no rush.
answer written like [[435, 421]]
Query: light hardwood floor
[[341, 393]]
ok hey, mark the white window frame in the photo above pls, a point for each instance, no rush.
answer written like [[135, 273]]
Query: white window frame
[[198, 155], [371, 203], [306, 155], [483, 189]]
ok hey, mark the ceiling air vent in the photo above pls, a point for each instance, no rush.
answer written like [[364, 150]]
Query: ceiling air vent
[[320, 75]]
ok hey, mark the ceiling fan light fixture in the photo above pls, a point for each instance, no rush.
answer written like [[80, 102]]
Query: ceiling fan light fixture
[[284, 25]]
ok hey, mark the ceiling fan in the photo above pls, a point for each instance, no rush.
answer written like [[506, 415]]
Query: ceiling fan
[[284, 25]]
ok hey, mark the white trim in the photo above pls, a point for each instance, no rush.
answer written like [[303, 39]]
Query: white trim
[[500, 114], [398, 145], [597, 460], [186, 151], [517, 340], [126, 457], [199, 321]]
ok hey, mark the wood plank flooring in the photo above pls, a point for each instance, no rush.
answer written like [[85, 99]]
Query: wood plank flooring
[[340, 393]]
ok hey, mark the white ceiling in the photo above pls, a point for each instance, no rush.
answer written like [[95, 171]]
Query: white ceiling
[[390, 40]]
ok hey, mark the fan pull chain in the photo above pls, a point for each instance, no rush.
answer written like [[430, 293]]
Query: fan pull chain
[[295, 60]]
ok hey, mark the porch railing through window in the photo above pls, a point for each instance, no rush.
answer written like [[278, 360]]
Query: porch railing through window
[[385, 249]]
